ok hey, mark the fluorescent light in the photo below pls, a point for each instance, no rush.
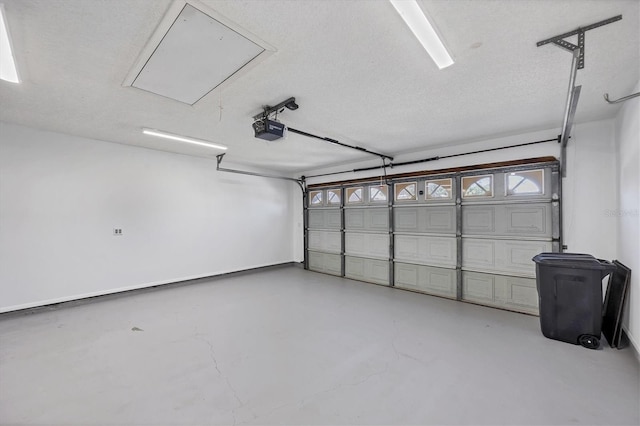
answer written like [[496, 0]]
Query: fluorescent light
[[173, 137], [415, 18], [8, 69]]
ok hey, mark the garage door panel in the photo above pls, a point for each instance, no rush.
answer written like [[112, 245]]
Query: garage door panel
[[354, 243], [334, 219], [478, 219], [316, 219], [406, 219], [378, 271], [315, 240], [502, 256], [367, 245], [424, 219], [354, 267], [325, 219], [333, 263], [441, 220], [477, 287], [354, 218], [532, 220], [407, 275], [509, 292], [325, 262], [437, 251], [438, 281], [316, 261], [327, 241], [518, 255], [407, 248], [369, 270], [378, 219], [367, 219], [517, 291], [478, 254]]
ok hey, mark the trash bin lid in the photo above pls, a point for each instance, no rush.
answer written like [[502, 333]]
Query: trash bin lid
[[571, 260]]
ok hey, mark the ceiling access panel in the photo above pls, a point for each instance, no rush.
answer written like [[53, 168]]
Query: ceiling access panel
[[193, 51]]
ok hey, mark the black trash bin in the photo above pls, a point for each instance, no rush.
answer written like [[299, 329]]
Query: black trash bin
[[570, 296]]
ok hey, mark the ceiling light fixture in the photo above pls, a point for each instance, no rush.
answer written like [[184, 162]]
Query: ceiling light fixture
[[8, 70], [165, 135], [417, 21]]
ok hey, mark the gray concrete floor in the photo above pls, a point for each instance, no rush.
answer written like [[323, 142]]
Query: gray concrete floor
[[286, 346]]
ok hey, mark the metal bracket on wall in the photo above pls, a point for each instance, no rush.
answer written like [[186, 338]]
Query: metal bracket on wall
[[617, 101], [573, 93], [560, 41], [301, 181]]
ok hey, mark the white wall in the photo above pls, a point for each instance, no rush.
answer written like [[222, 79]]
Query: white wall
[[61, 197], [587, 189], [627, 213]]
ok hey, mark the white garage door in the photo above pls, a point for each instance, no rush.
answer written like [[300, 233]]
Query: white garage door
[[324, 231], [467, 235], [367, 233], [425, 250], [507, 218]]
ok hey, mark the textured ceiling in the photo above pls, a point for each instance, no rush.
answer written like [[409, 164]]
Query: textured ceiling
[[355, 69]]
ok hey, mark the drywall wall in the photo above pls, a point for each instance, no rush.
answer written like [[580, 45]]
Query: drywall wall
[[627, 212], [587, 194], [61, 198]]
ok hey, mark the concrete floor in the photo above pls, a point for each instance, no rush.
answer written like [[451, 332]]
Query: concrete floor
[[286, 346]]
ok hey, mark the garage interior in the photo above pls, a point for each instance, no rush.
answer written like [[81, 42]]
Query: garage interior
[[278, 212]]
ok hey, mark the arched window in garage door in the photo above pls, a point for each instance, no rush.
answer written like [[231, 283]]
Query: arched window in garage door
[[378, 193], [406, 191], [315, 198], [438, 189], [477, 186], [354, 195], [334, 196], [525, 182]]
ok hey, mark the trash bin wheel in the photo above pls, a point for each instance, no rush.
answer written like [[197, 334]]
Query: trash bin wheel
[[589, 341]]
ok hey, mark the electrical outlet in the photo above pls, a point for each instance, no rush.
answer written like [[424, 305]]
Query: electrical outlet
[[117, 231]]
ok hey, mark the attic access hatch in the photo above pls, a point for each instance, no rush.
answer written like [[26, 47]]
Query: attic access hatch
[[194, 51]]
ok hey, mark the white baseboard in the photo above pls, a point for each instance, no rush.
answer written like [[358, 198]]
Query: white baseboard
[[634, 345], [75, 297]]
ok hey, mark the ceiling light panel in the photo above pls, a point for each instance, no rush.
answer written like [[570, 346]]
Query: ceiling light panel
[[193, 54], [180, 138], [417, 21]]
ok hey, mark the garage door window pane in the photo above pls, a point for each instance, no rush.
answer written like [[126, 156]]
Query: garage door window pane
[[477, 186], [354, 195], [406, 191], [439, 189], [333, 196], [378, 193], [315, 198], [525, 182]]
